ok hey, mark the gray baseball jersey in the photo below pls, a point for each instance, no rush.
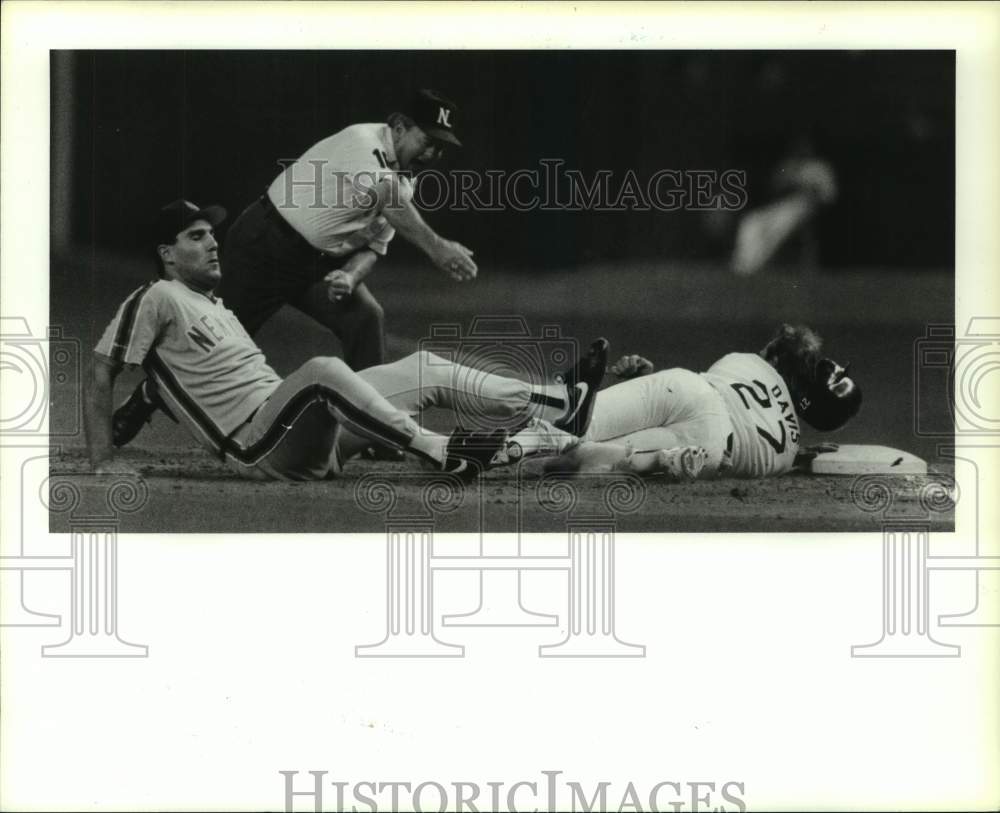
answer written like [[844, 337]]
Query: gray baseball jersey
[[211, 372]]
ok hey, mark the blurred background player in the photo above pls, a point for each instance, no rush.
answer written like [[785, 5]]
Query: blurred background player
[[802, 185], [740, 418], [317, 232]]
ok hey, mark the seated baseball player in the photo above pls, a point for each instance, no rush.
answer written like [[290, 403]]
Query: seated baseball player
[[215, 380], [740, 418]]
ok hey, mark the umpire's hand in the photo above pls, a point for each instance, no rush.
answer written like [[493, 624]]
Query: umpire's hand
[[455, 260]]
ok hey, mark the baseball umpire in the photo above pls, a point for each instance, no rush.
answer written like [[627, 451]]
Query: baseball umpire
[[319, 229], [215, 380]]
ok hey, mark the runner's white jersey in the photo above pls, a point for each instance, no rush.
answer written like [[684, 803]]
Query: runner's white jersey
[[204, 361], [765, 426]]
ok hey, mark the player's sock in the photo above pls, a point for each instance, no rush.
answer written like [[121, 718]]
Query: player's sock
[[548, 402], [429, 445], [359, 407]]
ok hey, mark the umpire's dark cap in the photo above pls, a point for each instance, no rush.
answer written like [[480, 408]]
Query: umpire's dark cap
[[435, 115], [173, 218]]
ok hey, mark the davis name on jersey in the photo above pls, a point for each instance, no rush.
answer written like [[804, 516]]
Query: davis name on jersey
[[765, 426]]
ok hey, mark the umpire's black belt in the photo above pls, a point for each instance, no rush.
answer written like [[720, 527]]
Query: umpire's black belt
[[289, 232]]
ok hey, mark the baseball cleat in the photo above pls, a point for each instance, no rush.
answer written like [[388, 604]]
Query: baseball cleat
[[582, 383], [135, 411], [470, 452], [682, 464]]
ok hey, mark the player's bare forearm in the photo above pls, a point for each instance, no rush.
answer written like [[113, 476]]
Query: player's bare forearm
[[451, 257], [360, 264], [97, 410], [405, 219]]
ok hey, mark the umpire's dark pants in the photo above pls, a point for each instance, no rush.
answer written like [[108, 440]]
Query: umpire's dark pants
[[267, 264]]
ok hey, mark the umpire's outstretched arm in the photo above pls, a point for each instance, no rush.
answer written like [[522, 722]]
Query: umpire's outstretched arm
[[451, 257]]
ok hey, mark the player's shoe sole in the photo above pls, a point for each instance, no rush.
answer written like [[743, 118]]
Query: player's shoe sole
[[136, 411], [582, 383], [682, 464]]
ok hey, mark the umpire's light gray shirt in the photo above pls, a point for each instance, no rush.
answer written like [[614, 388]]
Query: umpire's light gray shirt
[[326, 194]]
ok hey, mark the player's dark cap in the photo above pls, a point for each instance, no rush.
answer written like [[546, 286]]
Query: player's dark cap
[[173, 218], [833, 399], [435, 115]]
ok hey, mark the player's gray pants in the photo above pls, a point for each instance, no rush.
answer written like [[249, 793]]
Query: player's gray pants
[[479, 399], [305, 415]]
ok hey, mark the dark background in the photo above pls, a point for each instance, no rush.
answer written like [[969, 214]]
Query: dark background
[[147, 126]]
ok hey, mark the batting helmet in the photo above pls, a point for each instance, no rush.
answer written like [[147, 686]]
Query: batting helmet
[[832, 399]]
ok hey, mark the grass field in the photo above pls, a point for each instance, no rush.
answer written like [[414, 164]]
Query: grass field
[[676, 314]]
